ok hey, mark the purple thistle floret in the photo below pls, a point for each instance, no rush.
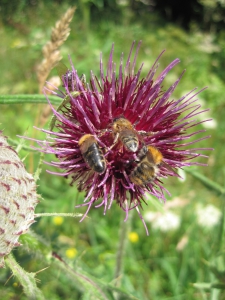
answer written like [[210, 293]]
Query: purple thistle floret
[[142, 101]]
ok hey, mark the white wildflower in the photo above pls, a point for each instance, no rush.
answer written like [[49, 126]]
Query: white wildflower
[[208, 216], [163, 221]]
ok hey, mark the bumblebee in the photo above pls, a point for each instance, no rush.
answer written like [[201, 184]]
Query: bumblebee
[[146, 170], [125, 133], [92, 153]]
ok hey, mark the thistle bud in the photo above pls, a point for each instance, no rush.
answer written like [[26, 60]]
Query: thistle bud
[[18, 199]]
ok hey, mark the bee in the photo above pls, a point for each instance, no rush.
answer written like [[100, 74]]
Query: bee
[[66, 75], [92, 153], [146, 170], [125, 133]]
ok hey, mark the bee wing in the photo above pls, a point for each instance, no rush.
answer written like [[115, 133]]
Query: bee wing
[[168, 167], [61, 69]]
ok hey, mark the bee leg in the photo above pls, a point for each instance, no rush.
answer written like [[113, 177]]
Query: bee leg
[[145, 133], [102, 132], [115, 141], [63, 103], [142, 132]]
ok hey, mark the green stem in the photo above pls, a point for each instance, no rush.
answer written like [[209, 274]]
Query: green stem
[[27, 280], [73, 215], [220, 244], [85, 8], [90, 286], [124, 229], [39, 168], [26, 98], [15, 143]]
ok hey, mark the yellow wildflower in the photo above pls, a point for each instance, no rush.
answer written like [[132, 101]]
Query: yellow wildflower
[[133, 237], [71, 252], [58, 220]]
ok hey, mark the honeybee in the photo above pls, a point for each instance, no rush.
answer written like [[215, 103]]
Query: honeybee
[[125, 133], [92, 153], [147, 169]]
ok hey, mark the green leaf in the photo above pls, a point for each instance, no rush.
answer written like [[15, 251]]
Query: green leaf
[[205, 285], [206, 181]]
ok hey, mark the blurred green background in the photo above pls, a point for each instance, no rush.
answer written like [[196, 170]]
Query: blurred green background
[[186, 234]]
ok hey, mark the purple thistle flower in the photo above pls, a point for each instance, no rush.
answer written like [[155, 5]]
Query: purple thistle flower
[[154, 120]]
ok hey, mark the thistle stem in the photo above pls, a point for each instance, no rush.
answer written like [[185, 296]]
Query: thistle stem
[[27, 280], [220, 243], [26, 98], [124, 229], [73, 215]]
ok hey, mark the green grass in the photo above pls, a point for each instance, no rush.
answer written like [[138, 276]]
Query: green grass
[[153, 267]]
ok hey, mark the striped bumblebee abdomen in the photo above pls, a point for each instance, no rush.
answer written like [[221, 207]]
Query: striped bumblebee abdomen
[[143, 173], [147, 169], [92, 153]]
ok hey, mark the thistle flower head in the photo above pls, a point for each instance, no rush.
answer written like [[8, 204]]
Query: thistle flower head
[[18, 199], [129, 125]]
